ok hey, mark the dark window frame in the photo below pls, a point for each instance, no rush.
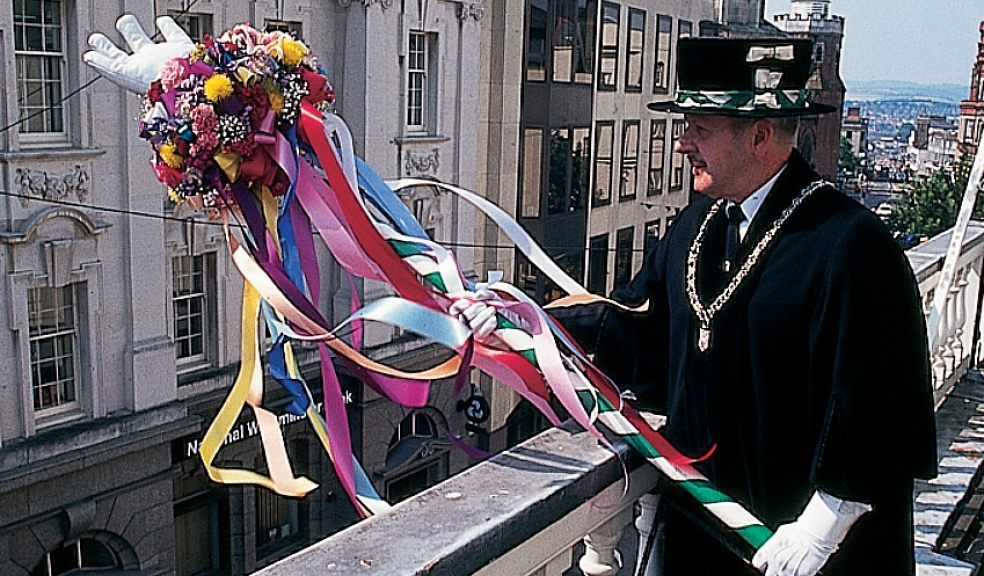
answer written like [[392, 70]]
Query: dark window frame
[[598, 264], [662, 46], [629, 162], [609, 52], [636, 16], [656, 172], [596, 200], [624, 255]]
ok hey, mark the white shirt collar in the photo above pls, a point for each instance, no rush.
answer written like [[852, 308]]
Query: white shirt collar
[[750, 206]]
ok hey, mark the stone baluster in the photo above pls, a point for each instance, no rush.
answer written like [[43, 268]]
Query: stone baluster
[[644, 525], [601, 555], [960, 284], [948, 324], [937, 364]]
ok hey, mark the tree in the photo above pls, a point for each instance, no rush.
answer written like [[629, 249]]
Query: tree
[[848, 161], [930, 205]]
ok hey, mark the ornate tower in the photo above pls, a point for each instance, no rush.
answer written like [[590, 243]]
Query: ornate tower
[[820, 137], [972, 109]]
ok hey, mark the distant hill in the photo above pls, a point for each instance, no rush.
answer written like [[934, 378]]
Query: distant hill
[[897, 90]]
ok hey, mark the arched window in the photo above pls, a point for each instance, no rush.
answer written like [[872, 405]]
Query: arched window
[[75, 558], [417, 425]]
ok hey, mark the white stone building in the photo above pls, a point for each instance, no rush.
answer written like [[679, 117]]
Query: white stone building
[[121, 329]]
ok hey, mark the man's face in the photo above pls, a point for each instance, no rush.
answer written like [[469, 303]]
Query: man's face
[[719, 149]]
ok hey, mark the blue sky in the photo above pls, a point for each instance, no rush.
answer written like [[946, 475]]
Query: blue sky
[[925, 41]]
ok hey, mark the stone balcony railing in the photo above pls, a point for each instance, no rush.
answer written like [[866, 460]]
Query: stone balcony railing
[[558, 504]]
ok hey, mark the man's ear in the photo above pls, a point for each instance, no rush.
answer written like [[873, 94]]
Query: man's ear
[[763, 133]]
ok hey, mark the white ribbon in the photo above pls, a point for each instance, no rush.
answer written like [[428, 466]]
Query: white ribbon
[[766, 79], [783, 52]]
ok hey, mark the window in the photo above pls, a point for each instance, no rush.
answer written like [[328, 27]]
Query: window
[[623, 256], [559, 181], [527, 276], [584, 48], [54, 340], [608, 79], [657, 147], [686, 29], [968, 131], [277, 517], [196, 25], [416, 80], [536, 42], [652, 236], [580, 168], [818, 53], [676, 172], [417, 424], [598, 264], [661, 74], [573, 40], [196, 537], [193, 306], [532, 162], [39, 51], [80, 556], [603, 163], [637, 46], [415, 462], [630, 160], [289, 26], [564, 37]]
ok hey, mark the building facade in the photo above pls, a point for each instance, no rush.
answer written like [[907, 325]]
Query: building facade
[[972, 109], [639, 182], [122, 309]]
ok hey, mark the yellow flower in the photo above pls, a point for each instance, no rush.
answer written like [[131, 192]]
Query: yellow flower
[[173, 196], [169, 154], [218, 87], [294, 51]]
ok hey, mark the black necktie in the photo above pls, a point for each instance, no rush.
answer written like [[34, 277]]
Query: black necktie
[[732, 239]]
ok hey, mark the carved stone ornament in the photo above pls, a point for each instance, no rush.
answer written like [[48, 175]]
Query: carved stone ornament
[[422, 164], [367, 4], [45, 185], [473, 11]]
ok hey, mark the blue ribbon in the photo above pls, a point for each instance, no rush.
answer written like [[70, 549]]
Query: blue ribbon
[[387, 202]]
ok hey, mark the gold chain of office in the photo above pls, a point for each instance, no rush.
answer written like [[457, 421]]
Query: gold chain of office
[[706, 314]]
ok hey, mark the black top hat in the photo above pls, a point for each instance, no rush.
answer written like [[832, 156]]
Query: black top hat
[[745, 77]]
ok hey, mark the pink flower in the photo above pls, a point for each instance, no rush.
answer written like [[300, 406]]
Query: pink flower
[[203, 119], [173, 73]]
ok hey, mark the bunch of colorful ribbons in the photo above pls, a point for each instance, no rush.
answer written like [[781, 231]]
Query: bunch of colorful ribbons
[[373, 236]]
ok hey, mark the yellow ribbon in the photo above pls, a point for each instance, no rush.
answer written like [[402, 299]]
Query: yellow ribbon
[[248, 390], [229, 163]]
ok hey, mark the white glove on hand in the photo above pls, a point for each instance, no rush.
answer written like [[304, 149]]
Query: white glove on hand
[[135, 72], [476, 312], [802, 547]]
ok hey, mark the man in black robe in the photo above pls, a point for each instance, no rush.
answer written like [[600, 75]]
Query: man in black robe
[[784, 328]]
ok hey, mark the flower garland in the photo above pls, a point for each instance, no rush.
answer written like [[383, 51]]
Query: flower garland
[[203, 114]]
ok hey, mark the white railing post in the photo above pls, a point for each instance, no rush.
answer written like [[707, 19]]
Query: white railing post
[[601, 555], [644, 524]]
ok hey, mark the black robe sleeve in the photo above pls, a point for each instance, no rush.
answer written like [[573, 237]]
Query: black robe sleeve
[[630, 347], [869, 343]]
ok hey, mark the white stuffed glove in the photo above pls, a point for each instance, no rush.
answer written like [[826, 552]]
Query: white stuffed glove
[[802, 547], [477, 313], [136, 71]]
